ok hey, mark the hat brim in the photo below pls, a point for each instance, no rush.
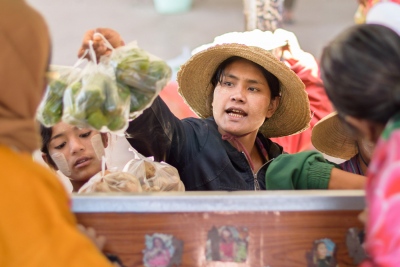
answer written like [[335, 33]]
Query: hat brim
[[194, 78], [330, 136]]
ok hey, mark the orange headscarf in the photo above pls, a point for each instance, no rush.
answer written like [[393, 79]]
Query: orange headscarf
[[24, 57]]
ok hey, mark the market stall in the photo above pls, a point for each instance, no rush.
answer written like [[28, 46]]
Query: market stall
[[270, 228]]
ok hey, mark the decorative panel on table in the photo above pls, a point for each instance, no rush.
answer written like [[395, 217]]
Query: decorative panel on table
[[270, 228]]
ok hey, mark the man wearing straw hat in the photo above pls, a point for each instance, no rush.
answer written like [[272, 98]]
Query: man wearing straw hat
[[243, 95]]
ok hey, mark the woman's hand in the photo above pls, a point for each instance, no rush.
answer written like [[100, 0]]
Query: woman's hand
[[99, 45], [89, 232], [346, 180]]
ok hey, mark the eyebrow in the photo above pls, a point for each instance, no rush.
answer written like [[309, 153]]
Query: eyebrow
[[56, 136], [247, 80]]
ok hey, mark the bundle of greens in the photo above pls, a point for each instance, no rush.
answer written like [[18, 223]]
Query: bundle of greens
[[142, 73], [105, 96], [97, 102], [50, 109]]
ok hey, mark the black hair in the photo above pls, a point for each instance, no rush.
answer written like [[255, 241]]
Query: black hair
[[46, 133], [272, 81], [361, 72]]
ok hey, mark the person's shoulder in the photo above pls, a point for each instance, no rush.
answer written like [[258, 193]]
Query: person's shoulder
[[21, 168]]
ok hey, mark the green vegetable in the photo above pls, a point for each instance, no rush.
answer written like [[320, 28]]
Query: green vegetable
[[139, 100], [116, 123], [50, 111], [135, 68], [97, 120]]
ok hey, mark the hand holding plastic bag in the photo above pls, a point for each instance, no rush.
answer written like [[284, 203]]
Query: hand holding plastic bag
[[96, 101]]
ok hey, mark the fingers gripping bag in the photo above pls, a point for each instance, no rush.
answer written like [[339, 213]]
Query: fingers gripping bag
[[94, 100], [50, 109], [142, 73], [154, 176]]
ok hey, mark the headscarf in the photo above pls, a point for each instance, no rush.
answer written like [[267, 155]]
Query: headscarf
[[24, 57]]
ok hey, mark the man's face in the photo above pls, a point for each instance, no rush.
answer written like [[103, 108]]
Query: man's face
[[242, 101]]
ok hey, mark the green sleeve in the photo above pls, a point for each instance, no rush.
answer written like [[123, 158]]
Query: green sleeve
[[304, 170]]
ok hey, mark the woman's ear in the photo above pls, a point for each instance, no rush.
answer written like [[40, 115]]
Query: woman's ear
[[46, 158], [104, 138], [273, 106]]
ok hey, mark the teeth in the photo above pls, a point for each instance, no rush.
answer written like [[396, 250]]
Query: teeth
[[236, 115], [79, 162]]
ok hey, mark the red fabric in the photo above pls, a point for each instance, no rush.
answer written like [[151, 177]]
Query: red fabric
[[383, 200], [307, 70], [175, 101]]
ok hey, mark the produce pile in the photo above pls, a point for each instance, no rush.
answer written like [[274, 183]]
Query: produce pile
[[104, 96], [139, 175]]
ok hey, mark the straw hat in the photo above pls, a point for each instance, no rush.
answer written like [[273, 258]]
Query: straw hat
[[332, 137], [194, 79], [386, 14], [263, 39]]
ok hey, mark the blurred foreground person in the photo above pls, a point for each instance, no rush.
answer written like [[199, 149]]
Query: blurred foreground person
[[360, 70], [37, 227]]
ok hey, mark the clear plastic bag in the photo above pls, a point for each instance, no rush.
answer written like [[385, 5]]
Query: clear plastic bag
[[154, 176], [50, 109], [94, 100], [143, 74], [112, 182]]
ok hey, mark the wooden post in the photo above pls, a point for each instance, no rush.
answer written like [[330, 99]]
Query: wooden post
[[265, 15]]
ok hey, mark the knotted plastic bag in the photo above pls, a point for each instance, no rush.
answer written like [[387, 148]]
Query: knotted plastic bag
[[94, 100], [112, 182], [154, 176]]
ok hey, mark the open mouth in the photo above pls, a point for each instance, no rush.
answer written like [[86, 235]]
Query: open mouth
[[234, 112], [82, 162]]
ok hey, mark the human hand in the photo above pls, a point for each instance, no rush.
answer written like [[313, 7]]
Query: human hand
[[99, 45], [89, 232], [363, 216]]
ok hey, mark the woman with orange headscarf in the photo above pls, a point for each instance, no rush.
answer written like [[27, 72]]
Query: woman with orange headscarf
[[36, 226]]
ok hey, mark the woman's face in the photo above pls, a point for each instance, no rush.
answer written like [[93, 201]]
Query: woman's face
[[76, 152], [242, 101], [321, 251]]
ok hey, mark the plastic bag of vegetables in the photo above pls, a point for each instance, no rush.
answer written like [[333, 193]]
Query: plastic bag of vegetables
[[94, 100], [50, 109], [142, 73]]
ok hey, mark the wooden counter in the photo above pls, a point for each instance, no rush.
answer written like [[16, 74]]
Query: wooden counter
[[281, 225]]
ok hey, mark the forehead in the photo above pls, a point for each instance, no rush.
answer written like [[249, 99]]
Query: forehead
[[244, 67], [62, 127]]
